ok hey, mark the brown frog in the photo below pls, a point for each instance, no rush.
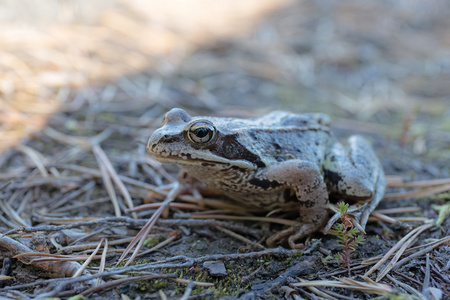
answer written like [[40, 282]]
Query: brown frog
[[271, 161]]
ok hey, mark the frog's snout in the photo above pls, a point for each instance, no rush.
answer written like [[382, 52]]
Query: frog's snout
[[161, 140], [153, 141]]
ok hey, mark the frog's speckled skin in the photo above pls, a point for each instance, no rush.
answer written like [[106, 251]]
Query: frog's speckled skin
[[270, 161]]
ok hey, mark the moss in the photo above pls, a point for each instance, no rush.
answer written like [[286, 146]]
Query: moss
[[231, 285], [144, 286], [153, 240], [160, 284], [77, 297]]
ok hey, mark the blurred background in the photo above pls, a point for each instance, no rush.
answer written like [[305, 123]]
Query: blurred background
[[376, 66]]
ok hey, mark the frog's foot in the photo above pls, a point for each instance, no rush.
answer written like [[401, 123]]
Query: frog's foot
[[359, 212], [369, 207], [354, 174], [292, 234]]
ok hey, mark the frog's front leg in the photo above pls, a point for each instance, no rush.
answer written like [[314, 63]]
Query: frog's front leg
[[354, 174], [311, 191]]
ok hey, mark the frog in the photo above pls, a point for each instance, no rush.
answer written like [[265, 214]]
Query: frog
[[279, 161]]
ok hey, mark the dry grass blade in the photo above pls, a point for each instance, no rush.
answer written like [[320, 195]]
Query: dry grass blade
[[101, 156], [5, 185], [171, 205], [406, 240], [422, 183], [402, 250], [4, 277], [96, 173], [139, 239], [62, 221], [87, 246], [73, 195], [414, 255], [414, 219], [109, 187], [426, 280], [102, 262], [367, 287], [76, 258], [246, 218], [188, 291], [88, 261], [381, 217], [160, 245], [9, 211], [36, 157], [417, 249], [83, 142], [406, 287], [321, 294], [394, 180], [240, 237], [196, 283], [54, 257], [420, 193], [216, 203], [398, 210], [375, 215]]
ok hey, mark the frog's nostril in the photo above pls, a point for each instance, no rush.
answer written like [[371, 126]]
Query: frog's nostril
[[165, 139], [153, 141]]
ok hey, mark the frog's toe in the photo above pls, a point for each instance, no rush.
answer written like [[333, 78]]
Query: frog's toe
[[302, 231], [280, 236], [293, 238], [292, 234]]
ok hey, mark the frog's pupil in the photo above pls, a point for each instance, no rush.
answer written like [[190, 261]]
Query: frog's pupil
[[201, 132]]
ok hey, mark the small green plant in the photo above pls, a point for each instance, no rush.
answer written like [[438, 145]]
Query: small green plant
[[348, 236], [444, 210]]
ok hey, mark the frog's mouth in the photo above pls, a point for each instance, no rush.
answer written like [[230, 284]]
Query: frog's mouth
[[204, 161], [227, 151]]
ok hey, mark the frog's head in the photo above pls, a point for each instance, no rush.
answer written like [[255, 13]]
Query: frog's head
[[202, 141]]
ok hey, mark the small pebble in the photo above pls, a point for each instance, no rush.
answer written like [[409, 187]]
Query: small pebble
[[215, 268]]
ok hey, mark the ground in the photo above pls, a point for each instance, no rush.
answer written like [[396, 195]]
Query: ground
[[83, 86]]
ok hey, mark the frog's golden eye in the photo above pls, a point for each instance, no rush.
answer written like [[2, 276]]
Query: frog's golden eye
[[201, 132]]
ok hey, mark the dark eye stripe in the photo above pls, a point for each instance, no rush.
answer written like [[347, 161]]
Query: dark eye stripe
[[231, 148]]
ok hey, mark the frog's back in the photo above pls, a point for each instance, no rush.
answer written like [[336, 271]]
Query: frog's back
[[283, 119], [281, 136]]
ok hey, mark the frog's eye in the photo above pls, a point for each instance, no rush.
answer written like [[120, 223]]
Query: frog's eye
[[201, 132]]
